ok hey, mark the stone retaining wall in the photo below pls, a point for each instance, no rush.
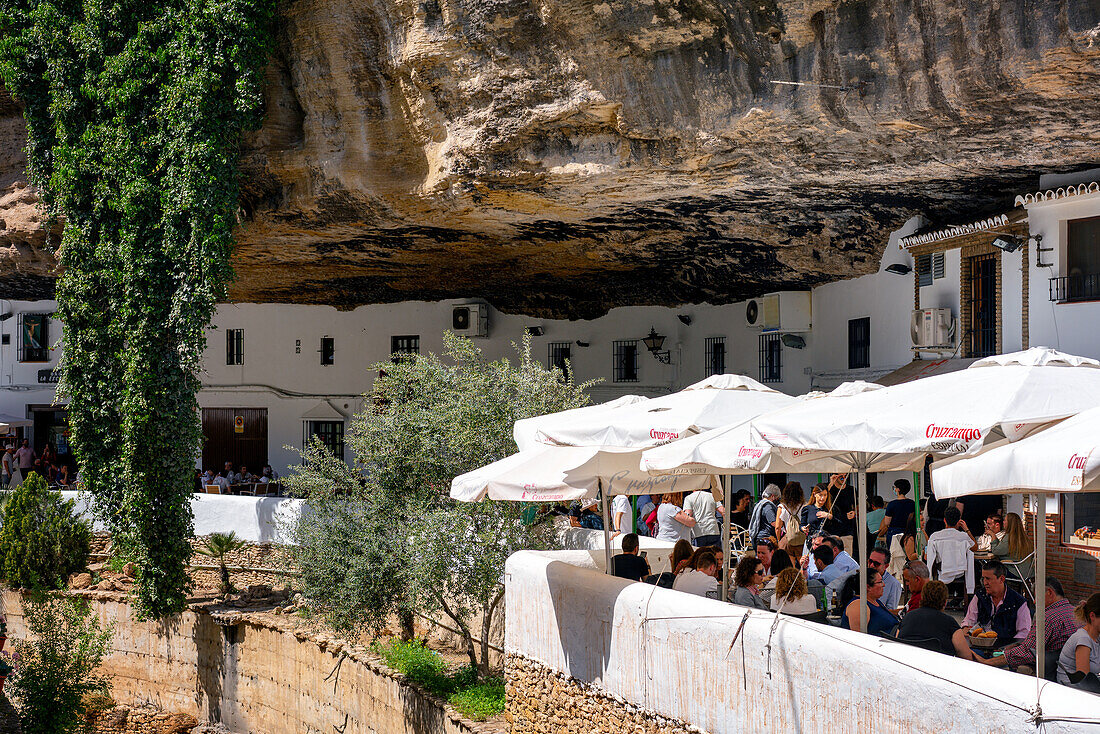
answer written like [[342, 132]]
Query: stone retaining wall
[[544, 701], [258, 673]]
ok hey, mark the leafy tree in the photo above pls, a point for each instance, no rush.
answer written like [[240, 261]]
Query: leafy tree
[[217, 546], [58, 663], [384, 536], [135, 111], [43, 540]]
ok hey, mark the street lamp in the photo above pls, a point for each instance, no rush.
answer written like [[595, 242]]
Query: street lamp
[[653, 343]]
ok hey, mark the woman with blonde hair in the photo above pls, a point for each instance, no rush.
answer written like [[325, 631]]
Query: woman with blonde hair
[[790, 593], [1079, 662], [1013, 545]]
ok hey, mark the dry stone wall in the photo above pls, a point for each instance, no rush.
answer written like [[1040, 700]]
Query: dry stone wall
[[544, 701], [255, 672]]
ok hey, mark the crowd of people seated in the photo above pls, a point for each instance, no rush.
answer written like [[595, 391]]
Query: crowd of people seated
[[228, 478], [799, 563]]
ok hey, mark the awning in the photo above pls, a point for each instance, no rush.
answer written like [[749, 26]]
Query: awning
[[10, 421], [919, 368]]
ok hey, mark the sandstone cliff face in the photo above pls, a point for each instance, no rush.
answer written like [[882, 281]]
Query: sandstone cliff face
[[563, 156]]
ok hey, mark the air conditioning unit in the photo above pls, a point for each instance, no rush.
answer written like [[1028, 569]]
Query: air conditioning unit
[[932, 328], [470, 319], [785, 311]]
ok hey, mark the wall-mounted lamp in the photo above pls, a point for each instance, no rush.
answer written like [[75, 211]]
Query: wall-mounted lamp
[[653, 343], [583, 344], [1008, 243], [794, 341], [534, 330], [899, 269], [685, 318]]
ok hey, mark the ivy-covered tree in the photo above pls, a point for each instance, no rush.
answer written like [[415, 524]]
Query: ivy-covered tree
[[134, 113], [383, 536]]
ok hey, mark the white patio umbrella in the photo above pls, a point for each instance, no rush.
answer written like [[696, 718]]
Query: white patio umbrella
[[525, 431], [1007, 396], [1062, 459], [716, 401]]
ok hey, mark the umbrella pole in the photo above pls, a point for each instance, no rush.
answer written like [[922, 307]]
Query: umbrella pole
[[726, 537], [861, 525], [606, 529], [917, 481], [1040, 583]]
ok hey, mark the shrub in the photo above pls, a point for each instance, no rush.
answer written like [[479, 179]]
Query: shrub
[[217, 546], [42, 541], [481, 700], [57, 664], [417, 663]]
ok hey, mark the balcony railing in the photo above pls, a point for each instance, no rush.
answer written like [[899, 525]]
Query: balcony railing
[[1075, 288]]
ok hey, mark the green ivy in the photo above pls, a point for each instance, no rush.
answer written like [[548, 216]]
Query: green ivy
[[134, 112]]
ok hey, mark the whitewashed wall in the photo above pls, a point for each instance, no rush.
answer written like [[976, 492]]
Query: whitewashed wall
[[671, 653], [1070, 327]]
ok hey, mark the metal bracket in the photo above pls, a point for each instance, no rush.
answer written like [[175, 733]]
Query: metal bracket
[[1038, 250]]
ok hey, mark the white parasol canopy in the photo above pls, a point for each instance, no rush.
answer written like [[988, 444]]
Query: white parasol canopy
[[1006, 396], [730, 449], [716, 401], [1063, 458], [562, 473], [526, 431]]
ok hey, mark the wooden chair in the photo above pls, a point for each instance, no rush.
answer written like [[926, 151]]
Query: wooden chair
[[213, 489]]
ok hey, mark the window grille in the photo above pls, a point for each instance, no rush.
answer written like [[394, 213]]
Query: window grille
[[626, 360], [714, 355], [771, 350], [234, 346], [34, 337], [328, 350], [557, 354], [859, 343], [331, 434], [405, 344]]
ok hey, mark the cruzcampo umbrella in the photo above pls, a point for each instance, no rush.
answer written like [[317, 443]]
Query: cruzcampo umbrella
[[1002, 397], [526, 431]]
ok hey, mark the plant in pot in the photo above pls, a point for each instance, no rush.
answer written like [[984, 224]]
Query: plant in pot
[[8, 663]]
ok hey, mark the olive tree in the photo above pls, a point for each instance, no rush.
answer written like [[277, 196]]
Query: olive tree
[[384, 529]]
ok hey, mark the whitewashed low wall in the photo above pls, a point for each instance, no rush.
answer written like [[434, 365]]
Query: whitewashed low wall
[[255, 519], [670, 653]]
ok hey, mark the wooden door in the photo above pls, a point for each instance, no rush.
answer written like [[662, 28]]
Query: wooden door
[[234, 434]]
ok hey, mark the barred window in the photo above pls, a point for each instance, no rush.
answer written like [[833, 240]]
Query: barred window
[[331, 434], [859, 343], [328, 350], [557, 354], [771, 350], [715, 355], [626, 361], [405, 344], [234, 346]]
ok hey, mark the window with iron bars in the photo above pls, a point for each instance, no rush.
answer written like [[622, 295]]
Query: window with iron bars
[[626, 361], [859, 343], [34, 337], [234, 346], [328, 350], [771, 350], [557, 354], [331, 434], [404, 345], [714, 355]]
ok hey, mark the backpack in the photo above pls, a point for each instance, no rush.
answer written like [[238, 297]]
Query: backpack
[[792, 532]]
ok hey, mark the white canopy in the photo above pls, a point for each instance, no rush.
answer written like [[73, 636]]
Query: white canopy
[[1063, 458], [716, 401], [562, 473], [730, 449], [526, 431], [1007, 396]]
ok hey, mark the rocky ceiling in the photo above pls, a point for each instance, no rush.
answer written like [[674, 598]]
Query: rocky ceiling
[[561, 157]]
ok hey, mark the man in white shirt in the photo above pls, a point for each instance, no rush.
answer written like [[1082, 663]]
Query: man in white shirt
[[620, 515], [953, 547], [702, 506], [701, 579]]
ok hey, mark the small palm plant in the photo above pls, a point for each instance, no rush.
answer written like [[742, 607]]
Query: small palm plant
[[218, 546]]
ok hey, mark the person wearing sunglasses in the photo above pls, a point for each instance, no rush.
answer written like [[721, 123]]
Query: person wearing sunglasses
[[748, 578]]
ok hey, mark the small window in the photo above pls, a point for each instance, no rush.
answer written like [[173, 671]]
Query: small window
[[234, 346], [937, 265], [859, 343], [34, 337], [626, 360], [771, 351], [1082, 276], [924, 270], [331, 434], [714, 355], [557, 355], [405, 344], [328, 350], [1081, 518]]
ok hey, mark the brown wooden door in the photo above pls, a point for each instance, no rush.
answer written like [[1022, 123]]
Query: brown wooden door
[[223, 441]]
